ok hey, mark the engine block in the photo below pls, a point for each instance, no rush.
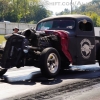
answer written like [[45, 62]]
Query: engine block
[[44, 42]]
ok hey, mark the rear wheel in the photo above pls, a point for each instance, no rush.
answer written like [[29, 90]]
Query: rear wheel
[[50, 62]]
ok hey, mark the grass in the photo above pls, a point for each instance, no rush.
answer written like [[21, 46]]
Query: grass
[[2, 38]]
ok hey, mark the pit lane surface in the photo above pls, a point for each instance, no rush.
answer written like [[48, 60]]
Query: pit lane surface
[[20, 83]]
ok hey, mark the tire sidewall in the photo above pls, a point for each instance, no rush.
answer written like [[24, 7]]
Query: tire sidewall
[[43, 62]]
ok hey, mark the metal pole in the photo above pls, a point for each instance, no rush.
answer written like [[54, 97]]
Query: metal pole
[[17, 6], [25, 10], [71, 6]]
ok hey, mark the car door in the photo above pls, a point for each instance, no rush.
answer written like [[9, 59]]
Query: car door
[[85, 42]]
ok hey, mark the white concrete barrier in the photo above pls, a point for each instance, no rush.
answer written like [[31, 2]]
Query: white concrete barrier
[[97, 31], [6, 28]]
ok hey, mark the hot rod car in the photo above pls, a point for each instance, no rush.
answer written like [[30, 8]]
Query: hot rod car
[[56, 43]]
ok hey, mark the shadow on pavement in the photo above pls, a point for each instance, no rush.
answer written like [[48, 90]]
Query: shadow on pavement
[[65, 74]]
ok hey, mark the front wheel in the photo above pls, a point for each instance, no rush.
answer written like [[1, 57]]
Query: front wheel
[[2, 71], [50, 62]]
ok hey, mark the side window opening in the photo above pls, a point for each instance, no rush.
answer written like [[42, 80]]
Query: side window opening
[[85, 26], [64, 24], [57, 24]]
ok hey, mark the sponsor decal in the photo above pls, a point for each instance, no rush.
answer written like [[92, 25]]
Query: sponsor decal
[[86, 48]]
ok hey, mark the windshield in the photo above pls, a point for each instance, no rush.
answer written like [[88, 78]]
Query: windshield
[[56, 25]]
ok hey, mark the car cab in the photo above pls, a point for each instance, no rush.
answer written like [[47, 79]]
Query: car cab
[[80, 31]]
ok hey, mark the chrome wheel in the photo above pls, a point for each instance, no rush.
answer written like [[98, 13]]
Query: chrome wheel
[[52, 63]]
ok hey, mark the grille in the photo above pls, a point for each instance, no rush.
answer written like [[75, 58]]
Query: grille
[[12, 52]]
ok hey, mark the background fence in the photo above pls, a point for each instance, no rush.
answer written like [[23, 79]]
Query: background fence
[[6, 28], [97, 31]]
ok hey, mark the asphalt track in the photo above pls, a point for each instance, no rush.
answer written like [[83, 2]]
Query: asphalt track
[[29, 84]]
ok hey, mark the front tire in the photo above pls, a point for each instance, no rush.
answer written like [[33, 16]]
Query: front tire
[[50, 62]]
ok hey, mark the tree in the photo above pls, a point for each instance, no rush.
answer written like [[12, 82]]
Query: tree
[[3, 9], [94, 16], [91, 9], [94, 6], [22, 10], [66, 11]]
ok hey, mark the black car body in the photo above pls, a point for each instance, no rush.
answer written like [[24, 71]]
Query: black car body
[[81, 36], [57, 42]]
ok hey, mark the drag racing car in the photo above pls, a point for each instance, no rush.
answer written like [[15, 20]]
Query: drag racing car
[[56, 43]]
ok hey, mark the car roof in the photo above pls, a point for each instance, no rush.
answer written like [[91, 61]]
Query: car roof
[[75, 16]]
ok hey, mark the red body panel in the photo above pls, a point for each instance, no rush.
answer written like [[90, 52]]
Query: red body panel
[[64, 42]]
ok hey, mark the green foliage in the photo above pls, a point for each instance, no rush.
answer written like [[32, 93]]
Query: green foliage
[[91, 9], [2, 39], [66, 11], [94, 16], [91, 6], [22, 10], [98, 22]]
